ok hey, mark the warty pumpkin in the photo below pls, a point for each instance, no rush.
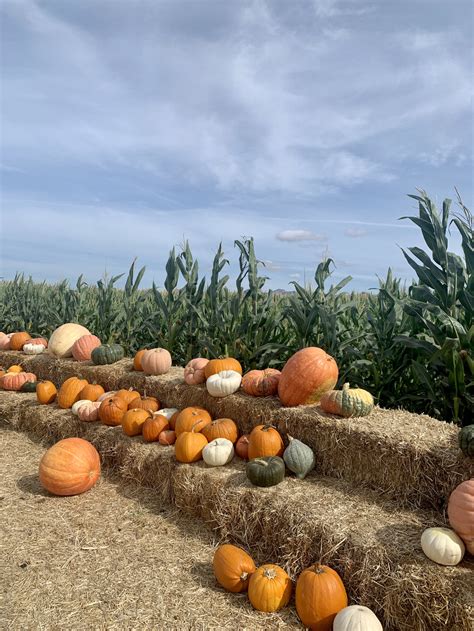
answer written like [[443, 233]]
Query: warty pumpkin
[[156, 361], [83, 347], [18, 339], [69, 391], [92, 391], [15, 380], [63, 338], [153, 427], [192, 419], [233, 568], [266, 471], [320, 595], [107, 354], [215, 366], [461, 512], [261, 383], [224, 383], [46, 392], [112, 410], [133, 421], [269, 588], [194, 371], [189, 446], [443, 546], [306, 376], [356, 618], [265, 440], [221, 428], [167, 437], [347, 402], [137, 360], [145, 403], [70, 467]]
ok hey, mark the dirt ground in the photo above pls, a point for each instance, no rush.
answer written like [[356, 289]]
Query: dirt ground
[[112, 558]]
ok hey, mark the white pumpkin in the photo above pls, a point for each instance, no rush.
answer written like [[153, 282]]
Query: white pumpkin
[[63, 338], [78, 404], [33, 349], [356, 618], [89, 413], [218, 452], [443, 546], [167, 412], [223, 383]]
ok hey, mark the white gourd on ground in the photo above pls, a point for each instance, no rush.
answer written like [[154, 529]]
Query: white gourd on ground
[[443, 546]]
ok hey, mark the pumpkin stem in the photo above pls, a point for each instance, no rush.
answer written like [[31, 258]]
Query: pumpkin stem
[[346, 386], [262, 461], [318, 569], [244, 576], [290, 438], [267, 426], [269, 573]]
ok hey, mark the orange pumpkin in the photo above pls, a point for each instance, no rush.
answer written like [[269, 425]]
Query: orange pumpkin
[[461, 512], [83, 347], [269, 588], [145, 403], [14, 380], [192, 419], [194, 371], [265, 440], [133, 420], [18, 339], [242, 447], [320, 595], [306, 376], [137, 360], [15, 368], [261, 383], [189, 446], [112, 410], [70, 467], [173, 419], [69, 392], [221, 428], [127, 395], [167, 437], [91, 392], [233, 568], [46, 392], [218, 365], [153, 427]]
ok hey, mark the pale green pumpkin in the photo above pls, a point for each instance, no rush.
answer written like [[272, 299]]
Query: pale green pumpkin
[[299, 458], [348, 402]]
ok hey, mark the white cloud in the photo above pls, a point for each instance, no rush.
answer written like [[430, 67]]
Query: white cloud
[[355, 232], [299, 235]]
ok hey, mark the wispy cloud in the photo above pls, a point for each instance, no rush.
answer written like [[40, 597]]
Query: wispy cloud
[[299, 235], [355, 233]]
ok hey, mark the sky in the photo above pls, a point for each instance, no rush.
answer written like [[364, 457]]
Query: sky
[[129, 126]]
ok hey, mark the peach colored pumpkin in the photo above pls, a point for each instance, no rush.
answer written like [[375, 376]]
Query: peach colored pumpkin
[[194, 371], [5, 341], [107, 395], [156, 361], [14, 380], [83, 347], [90, 412], [167, 437], [461, 512], [261, 383]]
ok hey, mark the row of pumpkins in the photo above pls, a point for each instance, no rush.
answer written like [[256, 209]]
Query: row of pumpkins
[[308, 377]]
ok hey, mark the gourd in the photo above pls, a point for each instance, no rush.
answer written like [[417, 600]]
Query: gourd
[[265, 471], [347, 402], [89, 413], [29, 386], [17, 340], [218, 452], [265, 440], [194, 371], [221, 428], [69, 392], [63, 338], [31, 348], [153, 427], [92, 392], [15, 380], [145, 403], [269, 588], [189, 446], [242, 447], [133, 420], [320, 595], [461, 512], [215, 366], [46, 392], [127, 395], [233, 568], [466, 440], [83, 347], [442, 546], [192, 419], [299, 458], [224, 383], [167, 437], [261, 383], [356, 618], [70, 467], [78, 404], [156, 361], [112, 410], [137, 360], [107, 354], [306, 376], [41, 341]]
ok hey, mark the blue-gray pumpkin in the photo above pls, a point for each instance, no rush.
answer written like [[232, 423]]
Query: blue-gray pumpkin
[[299, 458], [107, 354], [265, 471], [466, 440]]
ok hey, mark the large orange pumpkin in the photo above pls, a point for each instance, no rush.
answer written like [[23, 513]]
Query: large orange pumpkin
[[153, 427], [461, 512], [83, 347], [233, 568], [46, 392], [192, 419], [69, 391], [218, 365], [133, 420], [261, 383], [91, 392], [112, 410], [189, 446], [306, 376], [269, 588], [221, 428], [18, 339], [70, 467], [320, 595], [265, 440]]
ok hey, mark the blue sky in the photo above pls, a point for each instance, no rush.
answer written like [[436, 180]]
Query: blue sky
[[129, 126]]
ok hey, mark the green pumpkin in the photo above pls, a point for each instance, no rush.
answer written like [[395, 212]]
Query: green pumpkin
[[266, 471], [299, 458], [466, 440], [107, 354], [29, 386]]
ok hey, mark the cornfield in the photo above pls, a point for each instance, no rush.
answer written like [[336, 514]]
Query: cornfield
[[410, 347]]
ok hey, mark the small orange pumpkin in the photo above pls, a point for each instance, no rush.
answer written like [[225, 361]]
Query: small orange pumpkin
[[133, 420], [137, 360], [221, 428], [153, 427], [70, 467], [144, 403], [192, 419], [189, 446], [127, 395], [173, 419], [91, 392], [69, 392], [18, 339], [15, 368], [167, 437], [261, 383], [320, 595], [269, 588], [218, 365], [233, 568], [265, 440], [46, 392], [112, 410]]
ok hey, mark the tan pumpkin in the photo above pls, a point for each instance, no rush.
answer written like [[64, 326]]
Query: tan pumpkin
[[261, 383], [91, 392], [167, 437], [127, 395], [242, 447], [189, 446], [320, 595], [153, 427], [133, 421], [5, 341], [83, 347], [145, 403], [221, 428], [15, 380], [90, 412], [192, 419], [265, 440], [233, 568], [461, 512], [46, 392], [18, 339], [269, 588], [70, 467], [70, 392], [347, 402], [306, 376], [156, 361], [194, 371], [215, 366], [63, 338], [112, 410], [137, 360]]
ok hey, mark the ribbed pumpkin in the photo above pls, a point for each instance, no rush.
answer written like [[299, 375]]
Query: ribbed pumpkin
[[194, 371], [127, 395], [299, 458], [137, 360], [442, 545], [167, 437], [466, 440], [306, 376], [63, 338], [265, 471], [15, 380], [192, 419], [70, 392], [83, 347], [133, 421], [156, 361], [224, 383], [320, 595], [107, 354], [18, 339], [46, 392], [242, 447], [233, 568], [70, 467], [189, 446], [261, 383], [153, 427], [89, 413], [347, 402], [33, 349], [269, 588], [265, 440], [461, 512], [145, 403], [356, 618], [221, 428], [91, 392], [78, 404], [107, 395], [112, 410], [215, 366]]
